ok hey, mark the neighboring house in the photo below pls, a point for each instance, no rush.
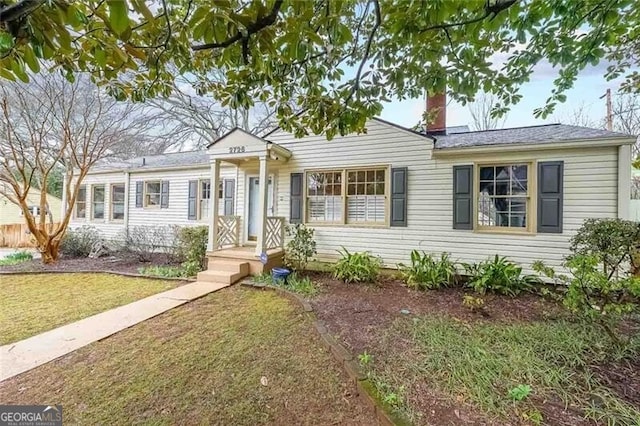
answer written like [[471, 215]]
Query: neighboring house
[[520, 193], [11, 213]]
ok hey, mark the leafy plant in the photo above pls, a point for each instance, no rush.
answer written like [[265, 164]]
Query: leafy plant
[[474, 304], [164, 271], [16, 258], [263, 278], [498, 275], [301, 248], [357, 267], [365, 358], [595, 295], [192, 248], [78, 242], [520, 392], [428, 272]]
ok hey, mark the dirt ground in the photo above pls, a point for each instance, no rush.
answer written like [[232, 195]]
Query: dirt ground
[[360, 314], [116, 263]]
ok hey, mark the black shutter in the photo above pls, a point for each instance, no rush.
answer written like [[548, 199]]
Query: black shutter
[[193, 199], [139, 192], [229, 194], [463, 197], [296, 202], [399, 196], [164, 194], [550, 194]]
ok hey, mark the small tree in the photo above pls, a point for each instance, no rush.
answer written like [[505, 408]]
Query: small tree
[[50, 123], [301, 248]]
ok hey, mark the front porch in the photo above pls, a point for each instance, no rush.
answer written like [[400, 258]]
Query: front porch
[[251, 242]]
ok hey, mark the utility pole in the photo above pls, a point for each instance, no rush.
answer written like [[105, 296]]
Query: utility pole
[[609, 110]]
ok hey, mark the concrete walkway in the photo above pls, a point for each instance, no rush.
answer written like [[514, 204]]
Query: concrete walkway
[[16, 358]]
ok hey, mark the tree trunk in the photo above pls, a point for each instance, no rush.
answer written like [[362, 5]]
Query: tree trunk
[[50, 251]]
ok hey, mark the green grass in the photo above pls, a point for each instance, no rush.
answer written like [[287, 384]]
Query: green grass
[[16, 258], [33, 303], [202, 363], [483, 363], [295, 283]]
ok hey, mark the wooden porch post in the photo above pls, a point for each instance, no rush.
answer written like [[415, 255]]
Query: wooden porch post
[[262, 206], [212, 243]]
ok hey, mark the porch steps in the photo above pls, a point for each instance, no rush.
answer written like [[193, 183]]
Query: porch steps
[[225, 271]]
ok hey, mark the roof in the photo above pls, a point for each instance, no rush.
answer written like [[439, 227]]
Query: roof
[[168, 160], [540, 134]]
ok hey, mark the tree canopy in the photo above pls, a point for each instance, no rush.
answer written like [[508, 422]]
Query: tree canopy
[[336, 60]]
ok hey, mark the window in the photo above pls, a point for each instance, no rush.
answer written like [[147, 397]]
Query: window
[[503, 196], [324, 197], [97, 198], [204, 198], [81, 203], [152, 193], [366, 200], [351, 196], [117, 202]]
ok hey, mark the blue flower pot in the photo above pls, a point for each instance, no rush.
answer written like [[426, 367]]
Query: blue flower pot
[[280, 274]]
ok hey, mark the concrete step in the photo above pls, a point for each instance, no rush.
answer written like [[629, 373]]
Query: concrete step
[[221, 264], [220, 276]]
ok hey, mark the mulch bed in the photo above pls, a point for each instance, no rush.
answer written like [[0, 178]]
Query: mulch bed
[[117, 263], [359, 314]]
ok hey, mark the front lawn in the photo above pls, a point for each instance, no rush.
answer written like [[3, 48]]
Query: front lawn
[[521, 360], [238, 356], [34, 303]]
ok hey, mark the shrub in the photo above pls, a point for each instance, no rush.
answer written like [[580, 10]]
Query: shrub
[[428, 272], [357, 267], [498, 275], [164, 271], [301, 248], [144, 241], [601, 287], [596, 295], [192, 248], [16, 258], [78, 242]]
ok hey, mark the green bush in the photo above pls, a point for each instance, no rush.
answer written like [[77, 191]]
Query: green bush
[[192, 248], [498, 275], [164, 271], [357, 267], [16, 258], [301, 248], [78, 242], [428, 272]]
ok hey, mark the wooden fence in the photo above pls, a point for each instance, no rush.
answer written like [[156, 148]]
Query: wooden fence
[[16, 235]]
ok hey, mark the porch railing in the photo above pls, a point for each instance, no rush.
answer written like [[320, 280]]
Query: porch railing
[[228, 231], [274, 237]]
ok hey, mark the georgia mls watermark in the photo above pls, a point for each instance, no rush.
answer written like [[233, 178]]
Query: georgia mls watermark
[[30, 415]]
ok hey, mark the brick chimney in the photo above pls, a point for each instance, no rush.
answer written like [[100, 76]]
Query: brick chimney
[[437, 108]]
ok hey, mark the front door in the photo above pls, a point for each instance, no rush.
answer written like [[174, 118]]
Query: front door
[[254, 205]]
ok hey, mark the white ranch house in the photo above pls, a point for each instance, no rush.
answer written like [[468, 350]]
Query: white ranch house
[[520, 193]]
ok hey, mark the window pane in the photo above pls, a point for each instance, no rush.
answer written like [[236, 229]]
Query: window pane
[[82, 193], [371, 176], [502, 198], [351, 189], [117, 193], [487, 173], [98, 193], [98, 210], [81, 210], [118, 211], [380, 176], [153, 187]]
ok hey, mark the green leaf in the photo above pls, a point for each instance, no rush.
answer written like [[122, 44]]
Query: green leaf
[[6, 42], [100, 57], [118, 16], [31, 60]]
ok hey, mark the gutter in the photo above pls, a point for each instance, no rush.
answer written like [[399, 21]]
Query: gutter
[[516, 147]]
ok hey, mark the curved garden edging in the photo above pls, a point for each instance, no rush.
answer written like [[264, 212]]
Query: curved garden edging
[[94, 271], [361, 384]]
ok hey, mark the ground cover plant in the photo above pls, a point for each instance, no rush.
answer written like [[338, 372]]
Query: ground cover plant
[[295, 282], [499, 275], [237, 356], [16, 258], [34, 303], [428, 272]]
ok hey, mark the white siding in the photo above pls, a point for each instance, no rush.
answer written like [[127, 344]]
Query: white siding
[[590, 190], [175, 214], [108, 228]]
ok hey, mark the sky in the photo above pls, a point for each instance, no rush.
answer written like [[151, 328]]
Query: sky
[[590, 85]]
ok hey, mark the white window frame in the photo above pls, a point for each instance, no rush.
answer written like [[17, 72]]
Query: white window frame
[[146, 194], [94, 202], [112, 203]]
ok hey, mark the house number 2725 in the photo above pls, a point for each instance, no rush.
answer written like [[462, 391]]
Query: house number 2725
[[236, 149]]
